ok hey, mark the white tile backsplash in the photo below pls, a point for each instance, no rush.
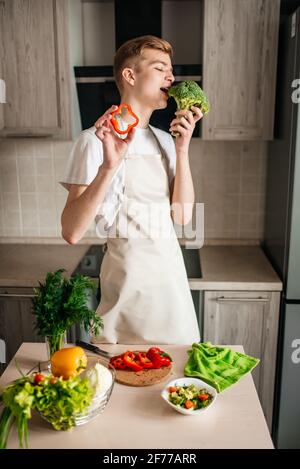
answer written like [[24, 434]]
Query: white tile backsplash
[[25, 165], [229, 178], [47, 218], [11, 201], [28, 201], [27, 183], [43, 165], [9, 182], [25, 147], [12, 219], [29, 219]]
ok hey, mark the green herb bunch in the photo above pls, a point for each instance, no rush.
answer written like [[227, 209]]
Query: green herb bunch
[[60, 303]]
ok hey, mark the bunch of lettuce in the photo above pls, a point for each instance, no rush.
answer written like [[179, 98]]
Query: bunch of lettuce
[[60, 402]]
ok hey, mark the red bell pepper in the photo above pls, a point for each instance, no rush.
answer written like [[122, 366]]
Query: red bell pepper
[[130, 361], [144, 360], [158, 357], [118, 363], [115, 123]]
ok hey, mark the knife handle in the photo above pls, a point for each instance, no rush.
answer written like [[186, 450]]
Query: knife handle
[[92, 348]]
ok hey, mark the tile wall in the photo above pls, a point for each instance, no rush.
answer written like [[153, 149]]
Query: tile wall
[[229, 177]]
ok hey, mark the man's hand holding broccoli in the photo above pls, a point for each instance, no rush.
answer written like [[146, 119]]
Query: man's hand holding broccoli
[[192, 104]]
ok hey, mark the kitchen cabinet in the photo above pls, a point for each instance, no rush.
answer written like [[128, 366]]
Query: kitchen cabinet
[[239, 68], [16, 319], [34, 63], [249, 318]]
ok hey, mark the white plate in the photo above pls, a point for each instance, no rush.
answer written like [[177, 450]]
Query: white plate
[[187, 382]]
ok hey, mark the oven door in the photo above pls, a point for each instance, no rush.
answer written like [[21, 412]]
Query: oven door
[[94, 99]]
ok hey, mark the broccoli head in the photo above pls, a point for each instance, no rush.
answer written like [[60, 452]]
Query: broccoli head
[[188, 93]]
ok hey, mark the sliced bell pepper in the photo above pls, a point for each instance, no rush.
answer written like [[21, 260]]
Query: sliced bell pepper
[[130, 361], [144, 361], [118, 363], [158, 357], [117, 112]]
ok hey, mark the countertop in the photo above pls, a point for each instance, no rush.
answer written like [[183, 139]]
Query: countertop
[[24, 265], [235, 268], [235, 420], [223, 267]]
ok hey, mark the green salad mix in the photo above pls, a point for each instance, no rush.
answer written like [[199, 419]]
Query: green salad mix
[[56, 399]]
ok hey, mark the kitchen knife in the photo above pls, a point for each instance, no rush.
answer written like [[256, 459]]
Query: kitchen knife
[[93, 348]]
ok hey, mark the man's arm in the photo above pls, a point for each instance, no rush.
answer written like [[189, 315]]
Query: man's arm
[[183, 194], [82, 205], [182, 191]]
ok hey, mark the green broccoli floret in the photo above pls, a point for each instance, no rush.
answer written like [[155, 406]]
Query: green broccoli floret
[[188, 93]]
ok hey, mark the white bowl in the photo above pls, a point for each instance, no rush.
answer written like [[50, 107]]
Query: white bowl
[[187, 382]]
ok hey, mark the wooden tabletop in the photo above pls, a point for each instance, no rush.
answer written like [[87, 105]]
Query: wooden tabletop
[[139, 418]]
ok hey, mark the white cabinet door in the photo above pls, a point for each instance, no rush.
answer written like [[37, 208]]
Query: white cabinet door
[[239, 68], [250, 319], [34, 66]]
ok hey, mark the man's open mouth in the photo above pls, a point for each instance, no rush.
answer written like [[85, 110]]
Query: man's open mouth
[[165, 90]]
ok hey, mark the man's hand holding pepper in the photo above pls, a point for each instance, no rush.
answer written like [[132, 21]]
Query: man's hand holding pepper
[[114, 147]]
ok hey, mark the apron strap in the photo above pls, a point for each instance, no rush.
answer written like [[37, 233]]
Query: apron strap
[[159, 145]]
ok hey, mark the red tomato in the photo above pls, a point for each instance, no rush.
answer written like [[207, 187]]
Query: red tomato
[[189, 404], [172, 389], [203, 397], [39, 378]]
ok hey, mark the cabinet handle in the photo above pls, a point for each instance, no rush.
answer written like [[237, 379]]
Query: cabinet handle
[[17, 295], [260, 299]]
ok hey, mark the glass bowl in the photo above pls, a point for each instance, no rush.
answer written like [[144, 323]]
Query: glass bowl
[[100, 399]]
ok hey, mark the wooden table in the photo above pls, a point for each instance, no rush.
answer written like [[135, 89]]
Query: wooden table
[[139, 418]]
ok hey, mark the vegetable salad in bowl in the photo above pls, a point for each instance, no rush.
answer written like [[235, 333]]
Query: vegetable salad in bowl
[[189, 396]]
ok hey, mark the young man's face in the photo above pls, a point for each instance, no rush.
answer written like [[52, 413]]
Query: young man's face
[[154, 73]]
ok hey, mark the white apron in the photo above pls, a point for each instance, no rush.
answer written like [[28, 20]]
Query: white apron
[[145, 295]]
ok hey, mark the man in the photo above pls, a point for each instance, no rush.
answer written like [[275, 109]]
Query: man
[[145, 296]]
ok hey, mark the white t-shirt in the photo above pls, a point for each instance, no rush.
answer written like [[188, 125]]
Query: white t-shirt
[[87, 156]]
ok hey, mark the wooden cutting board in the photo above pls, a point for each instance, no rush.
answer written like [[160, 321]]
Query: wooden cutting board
[[143, 377]]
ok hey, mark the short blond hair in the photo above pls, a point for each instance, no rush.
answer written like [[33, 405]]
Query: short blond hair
[[132, 49]]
